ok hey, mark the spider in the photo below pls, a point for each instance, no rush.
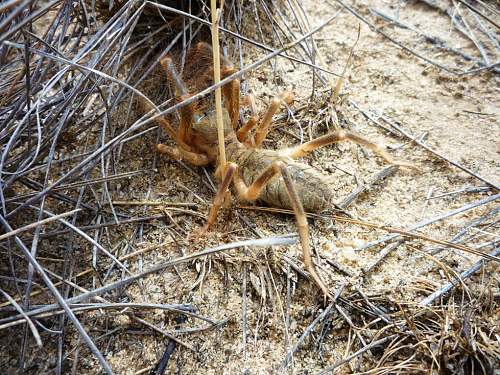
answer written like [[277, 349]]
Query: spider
[[271, 176]]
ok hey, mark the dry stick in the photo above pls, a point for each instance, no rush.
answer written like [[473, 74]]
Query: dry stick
[[314, 50], [75, 185], [464, 275], [147, 120], [108, 305], [374, 308], [388, 171], [33, 329], [340, 80], [103, 225], [359, 352], [92, 241], [168, 335], [489, 7], [244, 310], [60, 299], [479, 13], [462, 25], [15, 232], [7, 4], [468, 226], [338, 266], [90, 270], [79, 67], [468, 249], [310, 328], [81, 307], [486, 31], [426, 203], [382, 255], [348, 319], [440, 43], [154, 203], [206, 327], [420, 143], [426, 222], [216, 14], [378, 30], [261, 242], [162, 364], [185, 309], [35, 185], [288, 304], [26, 20], [105, 304]]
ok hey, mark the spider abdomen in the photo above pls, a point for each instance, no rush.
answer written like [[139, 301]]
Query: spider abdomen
[[313, 187]]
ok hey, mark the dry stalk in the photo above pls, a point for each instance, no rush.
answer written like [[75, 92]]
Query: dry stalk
[[340, 80], [216, 15]]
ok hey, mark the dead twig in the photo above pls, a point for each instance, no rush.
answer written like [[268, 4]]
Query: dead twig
[[349, 358], [388, 171], [71, 316], [438, 42], [420, 56], [32, 327], [36, 224], [325, 314], [398, 232], [475, 10], [381, 256], [464, 275], [435, 219]]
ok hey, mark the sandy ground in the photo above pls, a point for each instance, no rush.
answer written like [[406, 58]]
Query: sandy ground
[[459, 117]]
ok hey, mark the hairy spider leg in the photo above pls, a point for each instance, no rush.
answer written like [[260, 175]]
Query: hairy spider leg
[[184, 133], [178, 153], [220, 196], [263, 127], [243, 131], [251, 193], [340, 136]]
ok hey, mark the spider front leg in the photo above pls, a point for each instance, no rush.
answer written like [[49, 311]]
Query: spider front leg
[[178, 153], [184, 131], [251, 193], [203, 54], [184, 151]]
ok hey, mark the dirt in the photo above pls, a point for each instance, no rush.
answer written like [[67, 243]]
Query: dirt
[[457, 115]]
